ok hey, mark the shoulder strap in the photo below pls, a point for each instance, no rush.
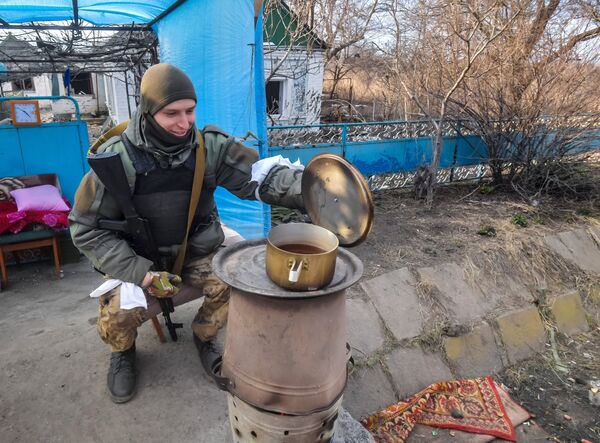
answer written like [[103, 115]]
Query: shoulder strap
[[117, 130], [215, 129], [195, 197]]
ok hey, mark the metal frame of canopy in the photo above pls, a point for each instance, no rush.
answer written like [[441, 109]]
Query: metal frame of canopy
[[127, 54]]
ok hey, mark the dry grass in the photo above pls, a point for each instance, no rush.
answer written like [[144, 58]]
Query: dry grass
[[520, 254]]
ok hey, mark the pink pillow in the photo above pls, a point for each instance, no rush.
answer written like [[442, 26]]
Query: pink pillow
[[39, 198]]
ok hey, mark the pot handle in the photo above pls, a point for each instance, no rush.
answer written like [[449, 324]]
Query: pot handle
[[295, 273]]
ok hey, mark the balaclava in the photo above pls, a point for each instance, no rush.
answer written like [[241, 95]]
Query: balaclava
[[162, 84]]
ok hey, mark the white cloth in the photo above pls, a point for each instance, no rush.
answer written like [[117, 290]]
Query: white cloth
[[132, 296], [261, 168]]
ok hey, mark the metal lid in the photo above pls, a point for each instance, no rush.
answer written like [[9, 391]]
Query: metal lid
[[337, 198], [242, 266]]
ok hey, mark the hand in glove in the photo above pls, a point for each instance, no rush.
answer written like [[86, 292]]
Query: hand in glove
[[161, 284]]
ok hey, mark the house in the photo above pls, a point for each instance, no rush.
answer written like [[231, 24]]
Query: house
[[29, 79], [294, 65], [96, 93]]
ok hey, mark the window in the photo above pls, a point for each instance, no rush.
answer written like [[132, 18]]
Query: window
[[274, 97], [25, 84], [82, 83]]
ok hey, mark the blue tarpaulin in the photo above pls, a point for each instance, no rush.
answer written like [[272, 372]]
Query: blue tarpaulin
[[96, 12], [215, 42]]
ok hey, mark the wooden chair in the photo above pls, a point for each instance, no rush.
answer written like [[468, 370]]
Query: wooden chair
[[186, 294], [27, 240]]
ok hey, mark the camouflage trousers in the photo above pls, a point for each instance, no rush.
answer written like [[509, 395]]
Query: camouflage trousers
[[118, 327]]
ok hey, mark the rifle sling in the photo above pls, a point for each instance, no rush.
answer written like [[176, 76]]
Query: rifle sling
[[194, 198], [117, 130]]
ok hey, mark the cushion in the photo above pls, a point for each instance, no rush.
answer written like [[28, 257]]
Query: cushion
[[8, 184], [39, 198]]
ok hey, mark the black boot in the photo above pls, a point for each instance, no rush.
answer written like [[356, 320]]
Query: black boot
[[121, 375], [208, 354]]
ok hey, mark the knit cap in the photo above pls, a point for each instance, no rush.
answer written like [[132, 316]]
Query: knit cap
[[163, 84]]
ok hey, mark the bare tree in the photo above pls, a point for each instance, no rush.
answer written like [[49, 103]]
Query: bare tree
[[286, 30], [544, 65], [302, 36], [436, 46], [343, 25]]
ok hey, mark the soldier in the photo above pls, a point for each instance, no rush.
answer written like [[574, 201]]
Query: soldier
[[158, 151]]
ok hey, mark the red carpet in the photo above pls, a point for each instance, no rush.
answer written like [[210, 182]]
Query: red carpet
[[466, 405]]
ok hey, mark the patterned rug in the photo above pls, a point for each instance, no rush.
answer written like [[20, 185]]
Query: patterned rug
[[466, 405]]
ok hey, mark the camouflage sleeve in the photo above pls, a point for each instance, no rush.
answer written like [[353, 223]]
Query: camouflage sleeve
[[282, 187], [105, 249], [233, 170]]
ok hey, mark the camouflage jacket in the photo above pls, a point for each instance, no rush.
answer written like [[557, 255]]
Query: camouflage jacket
[[228, 164]]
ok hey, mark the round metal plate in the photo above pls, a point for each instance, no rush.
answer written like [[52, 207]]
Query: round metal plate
[[242, 265], [337, 198]]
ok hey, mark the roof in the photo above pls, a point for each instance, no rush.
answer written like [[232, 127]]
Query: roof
[[12, 47], [280, 19]]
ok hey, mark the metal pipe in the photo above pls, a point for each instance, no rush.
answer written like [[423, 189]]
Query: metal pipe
[[344, 140], [61, 71], [127, 93], [166, 12], [97, 92], [140, 27], [66, 60], [75, 13]]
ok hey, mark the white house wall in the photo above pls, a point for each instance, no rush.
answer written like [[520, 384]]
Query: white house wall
[[87, 104], [302, 77], [42, 86], [116, 96], [100, 91]]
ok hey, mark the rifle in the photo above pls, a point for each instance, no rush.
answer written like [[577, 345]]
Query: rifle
[[109, 169]]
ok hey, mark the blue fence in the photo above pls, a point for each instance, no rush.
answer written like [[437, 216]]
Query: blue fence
[[400, 147], [379, 147], [57, 147]]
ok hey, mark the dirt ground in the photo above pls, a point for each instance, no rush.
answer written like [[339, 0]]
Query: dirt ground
[[559, 399], [499, 231]]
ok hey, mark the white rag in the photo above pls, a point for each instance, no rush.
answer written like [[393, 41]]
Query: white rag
[[132, 296], [261, 168]]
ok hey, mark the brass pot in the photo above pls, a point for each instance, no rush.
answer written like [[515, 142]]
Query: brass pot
[[300, 256]]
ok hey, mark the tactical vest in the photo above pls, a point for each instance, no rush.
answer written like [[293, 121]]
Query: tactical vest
[[163, 195]]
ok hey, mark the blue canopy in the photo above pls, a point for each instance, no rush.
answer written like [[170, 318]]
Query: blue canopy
[[96, 12]]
